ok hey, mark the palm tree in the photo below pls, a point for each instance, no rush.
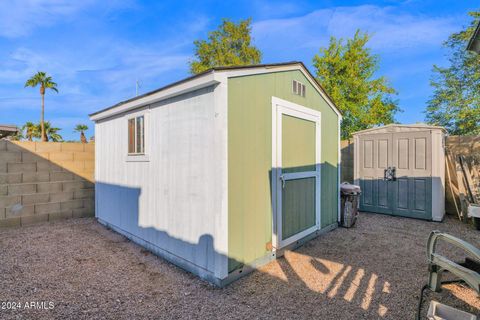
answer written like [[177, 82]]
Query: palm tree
[[31, 130], [81, 128], [51, 132], [45, 82]]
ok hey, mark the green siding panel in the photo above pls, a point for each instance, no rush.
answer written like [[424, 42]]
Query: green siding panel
[[298, 206], [298, 145], [250, 159]]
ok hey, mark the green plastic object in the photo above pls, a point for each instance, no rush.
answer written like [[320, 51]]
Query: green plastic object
[[437, 263]]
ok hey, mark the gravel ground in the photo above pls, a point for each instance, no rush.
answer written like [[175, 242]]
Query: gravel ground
[[374, 270]]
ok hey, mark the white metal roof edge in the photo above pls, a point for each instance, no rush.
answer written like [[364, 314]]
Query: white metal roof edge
[[200, 82], [422, 126], [206, 80]]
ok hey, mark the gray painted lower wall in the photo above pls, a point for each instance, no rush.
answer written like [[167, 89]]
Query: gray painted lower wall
[[169, 256], [207, 275]]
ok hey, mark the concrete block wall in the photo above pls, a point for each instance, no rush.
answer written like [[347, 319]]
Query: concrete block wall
[[45, 181]]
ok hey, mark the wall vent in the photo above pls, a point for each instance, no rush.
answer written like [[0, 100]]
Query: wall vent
[[298, 88]]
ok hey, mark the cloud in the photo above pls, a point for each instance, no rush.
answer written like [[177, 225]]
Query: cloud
[[277, 8], [94, 65], [408, 43], [21, 17], [392, 30], [22, 63], [85, 85]]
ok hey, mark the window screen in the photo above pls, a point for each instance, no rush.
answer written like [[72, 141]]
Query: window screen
[[136, 135], [131, 135], [140, 135], [294, 86]]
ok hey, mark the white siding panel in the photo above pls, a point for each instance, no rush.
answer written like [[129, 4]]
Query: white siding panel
[[174, 199]]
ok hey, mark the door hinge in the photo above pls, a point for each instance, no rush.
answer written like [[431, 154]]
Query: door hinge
[[282, 178]]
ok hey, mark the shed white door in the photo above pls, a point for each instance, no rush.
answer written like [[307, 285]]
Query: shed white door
[[409, 192], [296, 173], [375, 156], [412, 158]]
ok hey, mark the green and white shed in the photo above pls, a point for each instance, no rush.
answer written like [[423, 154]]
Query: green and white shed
[[222, 171]]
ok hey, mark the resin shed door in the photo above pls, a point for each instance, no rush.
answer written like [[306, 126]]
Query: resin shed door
[[395, 173]]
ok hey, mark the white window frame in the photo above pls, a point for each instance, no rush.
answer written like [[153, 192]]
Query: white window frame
[[138, 157]]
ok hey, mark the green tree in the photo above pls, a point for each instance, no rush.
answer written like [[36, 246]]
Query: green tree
[[455, 103], [81, 128], [45, 82], [31, 130], [229, 45], [346, 71], [50, 132]]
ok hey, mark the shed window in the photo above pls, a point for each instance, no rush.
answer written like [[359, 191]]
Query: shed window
[[136, 135]]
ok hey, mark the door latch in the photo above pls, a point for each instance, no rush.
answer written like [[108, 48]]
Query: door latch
[[390, 174]]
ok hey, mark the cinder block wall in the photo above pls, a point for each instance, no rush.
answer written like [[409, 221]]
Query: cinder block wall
[[45, 181]]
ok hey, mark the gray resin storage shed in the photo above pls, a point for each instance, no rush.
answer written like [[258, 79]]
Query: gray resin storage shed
[[401, 170]]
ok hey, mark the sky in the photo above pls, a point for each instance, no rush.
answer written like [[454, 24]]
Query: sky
[[97, 50]]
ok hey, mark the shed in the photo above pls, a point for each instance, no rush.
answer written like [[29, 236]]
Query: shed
[[401, 170], [220, 172]]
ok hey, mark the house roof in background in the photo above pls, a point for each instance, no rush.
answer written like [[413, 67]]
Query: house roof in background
[[474, 43], [7, 130], [8, 127]]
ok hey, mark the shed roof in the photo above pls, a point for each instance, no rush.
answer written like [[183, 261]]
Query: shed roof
[[194, 82], [418, 126]]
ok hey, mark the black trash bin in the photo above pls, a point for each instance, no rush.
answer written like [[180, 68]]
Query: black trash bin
[[349, 194]]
